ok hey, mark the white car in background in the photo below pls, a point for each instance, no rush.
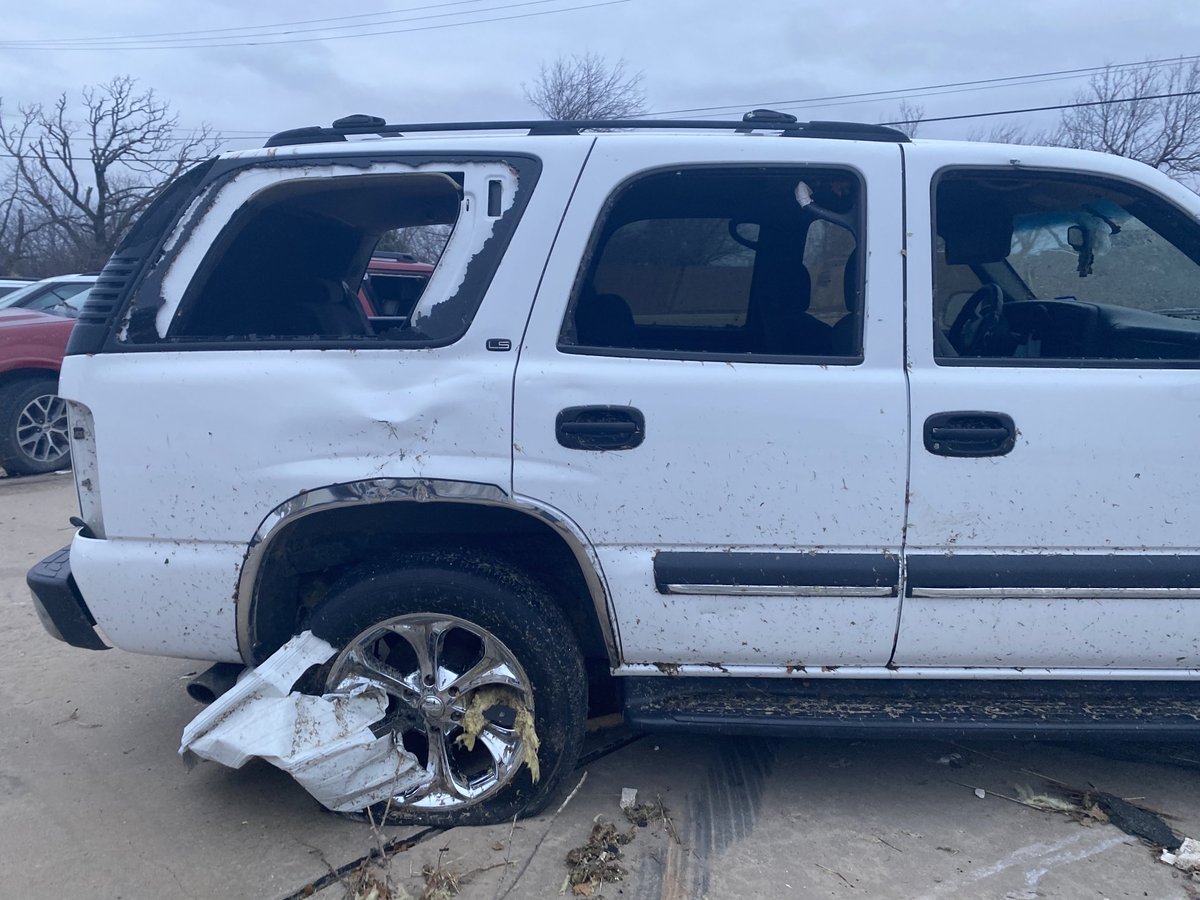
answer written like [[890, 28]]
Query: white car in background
[[62, 295], [8, 285]]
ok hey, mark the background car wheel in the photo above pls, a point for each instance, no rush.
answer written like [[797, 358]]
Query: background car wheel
[[33, 428], [485, 679]]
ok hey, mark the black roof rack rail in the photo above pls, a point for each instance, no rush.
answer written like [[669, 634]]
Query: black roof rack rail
[[756, 120]]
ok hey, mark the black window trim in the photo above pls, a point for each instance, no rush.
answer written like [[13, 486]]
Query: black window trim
[[1048, 362], [481, 269], [704, 356]]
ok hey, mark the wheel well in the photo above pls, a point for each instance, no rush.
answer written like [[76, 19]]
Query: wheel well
[[27, 374], [309, 555]]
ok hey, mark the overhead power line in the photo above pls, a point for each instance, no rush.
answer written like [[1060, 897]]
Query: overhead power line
[[38, 43], [928, 89], [256, 41], [1030, 109], [982, 115], [848, 99]]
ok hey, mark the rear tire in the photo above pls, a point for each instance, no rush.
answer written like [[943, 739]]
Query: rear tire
[[33, 427], [462, 643]]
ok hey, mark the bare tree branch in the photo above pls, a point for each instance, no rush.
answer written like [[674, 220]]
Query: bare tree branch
[[908, 117], [586, 87], [1163, 132], [82, 201]]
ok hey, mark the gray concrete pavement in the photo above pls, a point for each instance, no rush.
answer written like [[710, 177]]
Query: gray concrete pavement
[[96, 803]]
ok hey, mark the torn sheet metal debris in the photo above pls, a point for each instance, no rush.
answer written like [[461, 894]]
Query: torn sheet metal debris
[[1186, 858], [324, 742]]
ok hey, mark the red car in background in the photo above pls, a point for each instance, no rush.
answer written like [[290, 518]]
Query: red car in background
[[393, 284], [33, 419], [35, 322]]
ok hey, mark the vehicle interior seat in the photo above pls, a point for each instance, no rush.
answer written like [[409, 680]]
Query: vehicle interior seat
[[847, 329], [786, 326], [603, 320], [326, 306]]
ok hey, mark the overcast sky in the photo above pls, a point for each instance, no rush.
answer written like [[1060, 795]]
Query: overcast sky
[[437, 60]]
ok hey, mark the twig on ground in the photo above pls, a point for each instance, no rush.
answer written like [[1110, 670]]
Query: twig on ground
[[1001, 796], [537, 846], [838, 874], [667, 820]]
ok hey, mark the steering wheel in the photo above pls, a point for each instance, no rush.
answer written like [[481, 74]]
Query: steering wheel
[[974, 329]]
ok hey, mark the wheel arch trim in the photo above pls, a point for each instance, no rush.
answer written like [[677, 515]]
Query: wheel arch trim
[[413, 490]]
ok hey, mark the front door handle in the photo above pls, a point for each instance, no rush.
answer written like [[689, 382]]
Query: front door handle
[[970, 433], [600, 427]]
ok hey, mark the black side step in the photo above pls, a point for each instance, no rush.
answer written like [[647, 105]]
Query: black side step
[[1062, 710]]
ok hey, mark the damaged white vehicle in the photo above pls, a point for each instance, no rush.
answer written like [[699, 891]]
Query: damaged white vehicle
[[756, 426]]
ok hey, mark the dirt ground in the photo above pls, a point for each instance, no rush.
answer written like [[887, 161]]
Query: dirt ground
[[96, 802]]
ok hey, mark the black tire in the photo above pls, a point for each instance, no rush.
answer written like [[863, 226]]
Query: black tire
[[483, 600], [33, 427]]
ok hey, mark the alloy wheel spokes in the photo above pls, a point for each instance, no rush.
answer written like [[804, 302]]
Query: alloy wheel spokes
[[42, 429], [366, 666], [459, 690], [444, 785], [490, 670], [425, 637]]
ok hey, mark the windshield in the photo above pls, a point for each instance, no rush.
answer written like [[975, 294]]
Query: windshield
[[1103, 253], [62, 298]]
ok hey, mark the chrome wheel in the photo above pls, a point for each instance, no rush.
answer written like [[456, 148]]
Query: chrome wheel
[[42, 430], [458, 700]]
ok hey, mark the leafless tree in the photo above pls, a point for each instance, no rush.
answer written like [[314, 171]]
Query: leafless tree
[[87, 179], [1006, 132], [1148, 113], [908, 118], [424, 243], [15, 229], [586, 87]]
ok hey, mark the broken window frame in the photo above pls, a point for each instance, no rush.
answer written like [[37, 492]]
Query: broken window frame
[[137, 323]]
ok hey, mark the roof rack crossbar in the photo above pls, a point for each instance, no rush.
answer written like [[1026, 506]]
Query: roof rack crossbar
[[758, 120]]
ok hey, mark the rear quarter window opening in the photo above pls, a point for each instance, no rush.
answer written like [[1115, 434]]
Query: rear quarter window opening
[[290, 262], [279, 251]]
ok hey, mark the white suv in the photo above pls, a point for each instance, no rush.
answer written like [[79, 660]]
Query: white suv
[[790, 427]]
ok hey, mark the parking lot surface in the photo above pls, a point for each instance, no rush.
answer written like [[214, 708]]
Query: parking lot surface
[[96, 801]]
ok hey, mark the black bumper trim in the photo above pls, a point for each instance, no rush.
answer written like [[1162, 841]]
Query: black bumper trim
[[60, 605]]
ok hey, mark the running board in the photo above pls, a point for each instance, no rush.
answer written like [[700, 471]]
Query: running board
[[990, 709]]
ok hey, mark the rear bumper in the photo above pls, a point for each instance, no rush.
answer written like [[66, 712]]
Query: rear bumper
[[60, 605]]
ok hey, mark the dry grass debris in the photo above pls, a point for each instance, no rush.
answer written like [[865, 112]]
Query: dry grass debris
[[597, 862]]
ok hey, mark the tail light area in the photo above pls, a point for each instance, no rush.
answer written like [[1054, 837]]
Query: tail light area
[[83, 460]]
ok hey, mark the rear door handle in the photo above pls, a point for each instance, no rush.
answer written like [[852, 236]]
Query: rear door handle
[[600, 427], [970, 433]]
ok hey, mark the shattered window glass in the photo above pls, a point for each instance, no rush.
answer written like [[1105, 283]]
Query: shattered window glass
[[402, 253]]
